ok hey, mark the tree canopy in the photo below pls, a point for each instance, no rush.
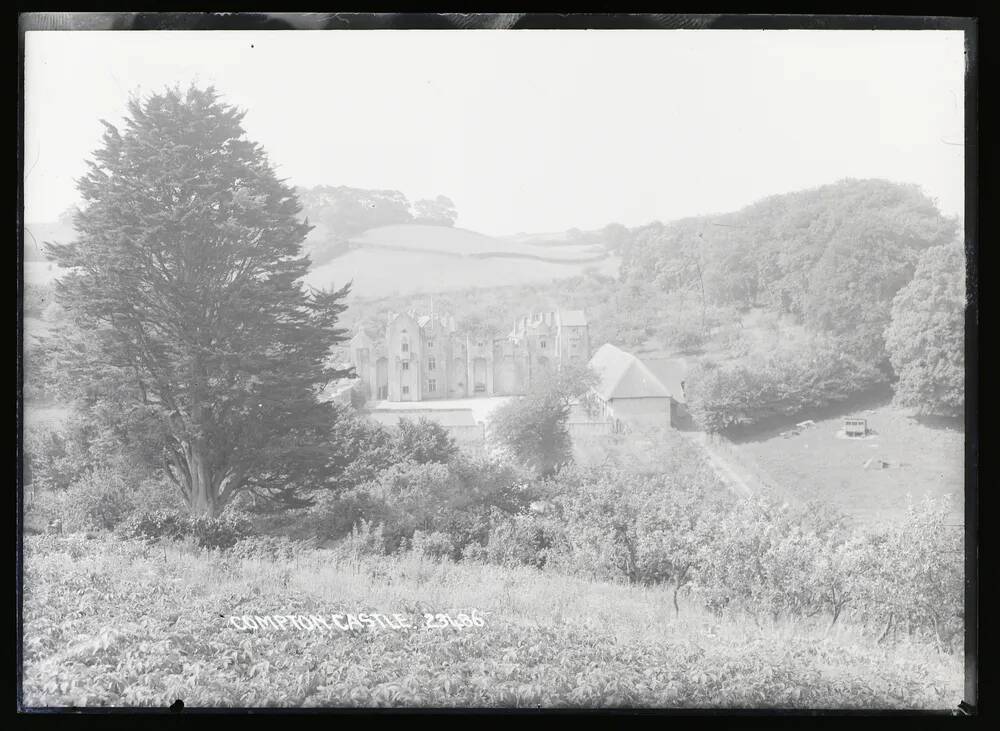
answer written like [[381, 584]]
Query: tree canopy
[[926, 336], [185, 281], [532, 428]]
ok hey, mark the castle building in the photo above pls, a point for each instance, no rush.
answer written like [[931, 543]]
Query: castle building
[[423, 357]]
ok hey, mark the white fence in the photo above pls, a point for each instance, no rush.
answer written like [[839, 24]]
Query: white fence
[[589, 428]]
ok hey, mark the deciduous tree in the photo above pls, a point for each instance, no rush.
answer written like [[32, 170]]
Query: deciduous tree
[[926, 337]]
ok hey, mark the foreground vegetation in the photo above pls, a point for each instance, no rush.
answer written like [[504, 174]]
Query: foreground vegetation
[[598, 584], [108, 622]]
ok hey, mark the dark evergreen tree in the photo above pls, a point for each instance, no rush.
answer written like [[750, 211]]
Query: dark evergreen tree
[[186, 278]]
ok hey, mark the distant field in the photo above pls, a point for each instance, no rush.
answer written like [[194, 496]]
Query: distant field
[[462, 242], [817, 464], [407, 259], [378, 272]]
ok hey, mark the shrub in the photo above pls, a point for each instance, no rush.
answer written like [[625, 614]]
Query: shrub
[[621, 525], [522, 540], [52, 458], [781, 384], [455, 499], [424, 441], [264, 548], [364, 539], [100, 499], [434, 544], [221, 532], [154, 525]]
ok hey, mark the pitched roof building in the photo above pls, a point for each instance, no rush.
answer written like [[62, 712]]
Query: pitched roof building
[[628, 390]]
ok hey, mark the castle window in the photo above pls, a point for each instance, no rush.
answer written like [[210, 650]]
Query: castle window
[[406, 347], [430, 343], [406, 365], [542, 344], [406, 390], [431, 364], [431, 385]]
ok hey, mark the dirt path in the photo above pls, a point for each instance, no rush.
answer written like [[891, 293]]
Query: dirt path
[[729, 471]]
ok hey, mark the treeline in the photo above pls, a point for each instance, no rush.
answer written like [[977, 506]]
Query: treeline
[[338, 213], [834, 258]]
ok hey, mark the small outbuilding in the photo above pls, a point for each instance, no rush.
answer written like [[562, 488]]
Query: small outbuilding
[[855, 427], [628, 392]]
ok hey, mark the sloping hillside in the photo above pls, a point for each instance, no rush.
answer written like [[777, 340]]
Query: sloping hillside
[[413, 258], [403, 259]]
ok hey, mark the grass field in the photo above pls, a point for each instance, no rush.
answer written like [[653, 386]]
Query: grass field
[[463, 242], [817, 463], [119, 623], [382, 272]]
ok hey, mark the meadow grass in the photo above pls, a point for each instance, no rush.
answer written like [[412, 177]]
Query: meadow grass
[[109, 622]]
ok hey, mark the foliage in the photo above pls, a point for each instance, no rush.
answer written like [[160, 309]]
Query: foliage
[[640, 527], [424, 441], [185, 276], [208, 532], [100, 630], [439, 211], [457, 499], [926, 337], [778, 384], [361, 448], [531, 430], [264, 548], [834, 256], [340, 213]]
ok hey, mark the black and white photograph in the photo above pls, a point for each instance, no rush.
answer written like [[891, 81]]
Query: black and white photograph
[[496, 366]]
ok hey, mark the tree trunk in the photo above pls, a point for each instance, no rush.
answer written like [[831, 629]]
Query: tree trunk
[[836, 615], [888, 626], [203, 500]]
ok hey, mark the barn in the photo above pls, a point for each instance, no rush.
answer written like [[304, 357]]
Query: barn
[[628, 392]]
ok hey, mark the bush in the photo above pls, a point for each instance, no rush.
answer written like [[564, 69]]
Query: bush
[[53, 459], [100, 498], [154, 525], [782, 384], [628, 523], [454, 499], [424, 441], [264, 548], [433, 544], [523, 540], [222, 532]]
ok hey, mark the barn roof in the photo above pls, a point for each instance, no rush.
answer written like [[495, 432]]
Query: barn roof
[[572, 318], [622, 375], [671, 372]]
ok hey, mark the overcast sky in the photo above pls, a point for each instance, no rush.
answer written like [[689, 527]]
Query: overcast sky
[[532, 130]]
